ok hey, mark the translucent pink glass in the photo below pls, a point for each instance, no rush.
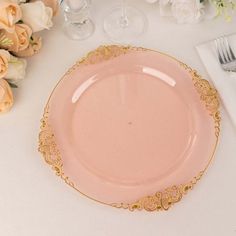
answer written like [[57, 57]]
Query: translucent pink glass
[[130, 126]]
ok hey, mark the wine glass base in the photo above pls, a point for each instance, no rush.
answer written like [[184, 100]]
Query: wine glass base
[[79, 31], [125, 30]]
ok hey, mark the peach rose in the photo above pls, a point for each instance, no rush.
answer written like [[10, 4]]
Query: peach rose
[[10, 13], [24, 33], [33, 48], [6, 96], [52, 4], [4, 61], [16, 41]]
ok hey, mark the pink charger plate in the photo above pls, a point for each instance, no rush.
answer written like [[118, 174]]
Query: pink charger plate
[[131, 128]]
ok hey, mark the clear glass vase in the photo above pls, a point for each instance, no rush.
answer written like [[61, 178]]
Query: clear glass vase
[[77, 25]]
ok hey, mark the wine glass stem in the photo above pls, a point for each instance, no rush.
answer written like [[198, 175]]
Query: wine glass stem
[[124, 18]]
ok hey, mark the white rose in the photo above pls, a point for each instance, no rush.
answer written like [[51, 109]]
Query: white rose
[[210, 11], [16, 69], [37, 15], [165, 7], [187, 11], [151, 1], [18, 1]]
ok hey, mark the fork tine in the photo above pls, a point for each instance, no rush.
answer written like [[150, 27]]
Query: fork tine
[[224, 50], [217, 44], [230, 49], [232, 54]]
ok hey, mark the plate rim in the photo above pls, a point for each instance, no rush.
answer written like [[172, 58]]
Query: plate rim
[[161, 200]]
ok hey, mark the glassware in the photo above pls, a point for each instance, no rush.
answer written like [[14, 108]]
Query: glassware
[[125, 23], [78, 25]]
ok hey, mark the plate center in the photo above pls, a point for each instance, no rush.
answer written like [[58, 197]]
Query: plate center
[[131, 128]]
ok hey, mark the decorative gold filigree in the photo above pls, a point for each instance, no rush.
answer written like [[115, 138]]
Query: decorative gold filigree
[[49, 150], [104, 53], [208, 95], [161, 200]]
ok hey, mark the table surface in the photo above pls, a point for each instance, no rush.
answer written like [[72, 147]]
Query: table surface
[[35, 202]]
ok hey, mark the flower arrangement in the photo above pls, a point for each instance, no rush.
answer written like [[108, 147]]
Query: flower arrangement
[[19, 22], [192, 11]]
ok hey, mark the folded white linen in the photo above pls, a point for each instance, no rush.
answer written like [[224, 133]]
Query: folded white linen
[[224, 82]]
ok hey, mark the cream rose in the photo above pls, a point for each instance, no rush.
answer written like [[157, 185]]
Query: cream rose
[[10, 13], [33, 48], [151, 1], [209, 11], [52, 4], [16, 41], [16, 69], [187, 11], [165, 7], [4, 62], [18, 1], [37, 15], [6, 96]]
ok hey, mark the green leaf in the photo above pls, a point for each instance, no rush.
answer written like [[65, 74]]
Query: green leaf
[[4, 41]]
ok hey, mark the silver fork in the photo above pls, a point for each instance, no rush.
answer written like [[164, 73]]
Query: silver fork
[[225, 54]]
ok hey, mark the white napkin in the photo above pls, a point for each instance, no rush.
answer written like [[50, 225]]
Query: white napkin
[[224, 82]]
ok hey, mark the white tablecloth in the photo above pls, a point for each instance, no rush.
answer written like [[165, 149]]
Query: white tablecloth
[[35, 202]]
